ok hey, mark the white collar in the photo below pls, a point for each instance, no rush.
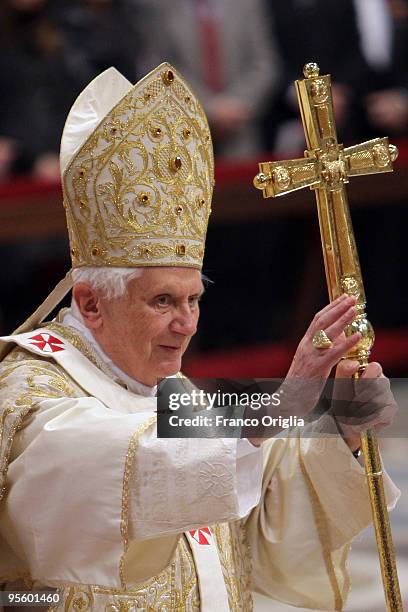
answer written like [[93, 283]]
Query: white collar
[[72, 318]]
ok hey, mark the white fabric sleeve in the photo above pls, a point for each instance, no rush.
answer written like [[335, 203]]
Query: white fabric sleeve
[[249, 475], [187, 483], [84, 480], [314, 502]]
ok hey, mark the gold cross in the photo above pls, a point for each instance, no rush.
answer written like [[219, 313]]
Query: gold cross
[[326, 164], [325, 168]]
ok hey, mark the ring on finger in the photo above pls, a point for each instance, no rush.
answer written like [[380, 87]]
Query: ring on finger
[[321, 340]]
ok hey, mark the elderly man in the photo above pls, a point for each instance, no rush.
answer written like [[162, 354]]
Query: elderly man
[[94, 504]]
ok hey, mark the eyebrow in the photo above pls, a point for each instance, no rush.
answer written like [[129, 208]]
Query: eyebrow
[[170, 291]]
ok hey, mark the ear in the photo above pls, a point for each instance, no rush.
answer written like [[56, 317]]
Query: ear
[[88, 302]]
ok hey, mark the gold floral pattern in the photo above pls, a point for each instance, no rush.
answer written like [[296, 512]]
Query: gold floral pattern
[[150, 158], [236, 564]]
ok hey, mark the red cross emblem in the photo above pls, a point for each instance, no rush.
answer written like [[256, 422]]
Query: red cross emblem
[[47, 343], [201, 535]]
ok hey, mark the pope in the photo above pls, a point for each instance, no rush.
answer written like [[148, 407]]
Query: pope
[[95, 505]]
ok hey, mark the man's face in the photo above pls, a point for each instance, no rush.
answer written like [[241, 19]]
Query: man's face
[[146, 331]]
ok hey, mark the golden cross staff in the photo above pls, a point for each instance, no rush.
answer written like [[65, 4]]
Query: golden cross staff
[[325, 168]]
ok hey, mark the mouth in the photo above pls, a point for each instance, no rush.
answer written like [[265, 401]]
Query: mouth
[[171, 349]]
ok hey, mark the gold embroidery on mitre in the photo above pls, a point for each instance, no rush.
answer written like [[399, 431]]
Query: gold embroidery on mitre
[[138, 192]]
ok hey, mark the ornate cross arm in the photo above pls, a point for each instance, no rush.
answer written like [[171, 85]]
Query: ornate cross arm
[[326, 168], [370, 157], [330, 167], [279, 178]]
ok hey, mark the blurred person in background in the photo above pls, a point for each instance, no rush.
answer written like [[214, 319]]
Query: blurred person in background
[[381, 109], [364, 45], [104, 33], [382, 106], [40, 78], [48, 51], [224, 50], [39, 81], [323, 31]]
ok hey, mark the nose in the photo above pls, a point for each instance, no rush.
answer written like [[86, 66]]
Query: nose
[[184, 322]]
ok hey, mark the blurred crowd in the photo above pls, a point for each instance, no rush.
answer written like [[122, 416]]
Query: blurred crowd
[[240, 55]]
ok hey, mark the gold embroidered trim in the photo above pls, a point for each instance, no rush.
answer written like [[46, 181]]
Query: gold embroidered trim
[[343, 566], [58, 383], [84, 347], [323, 533], [62, 584], [21, 400], [235, 561], [124, 523], [79, 343]]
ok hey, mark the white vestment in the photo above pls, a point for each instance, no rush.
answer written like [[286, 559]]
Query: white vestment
[[100, 508]]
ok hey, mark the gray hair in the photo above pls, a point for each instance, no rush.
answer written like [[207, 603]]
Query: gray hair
[[112, 282]]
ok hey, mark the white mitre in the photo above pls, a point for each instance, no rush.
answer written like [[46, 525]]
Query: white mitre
[[88, 110]]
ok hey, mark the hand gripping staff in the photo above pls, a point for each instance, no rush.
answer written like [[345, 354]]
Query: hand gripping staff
[[325, 168]]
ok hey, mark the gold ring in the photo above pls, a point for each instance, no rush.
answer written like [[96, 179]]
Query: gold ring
[[321, 340]]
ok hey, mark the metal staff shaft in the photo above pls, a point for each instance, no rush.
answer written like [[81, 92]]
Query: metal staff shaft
[[340, 254], [381, 520]]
